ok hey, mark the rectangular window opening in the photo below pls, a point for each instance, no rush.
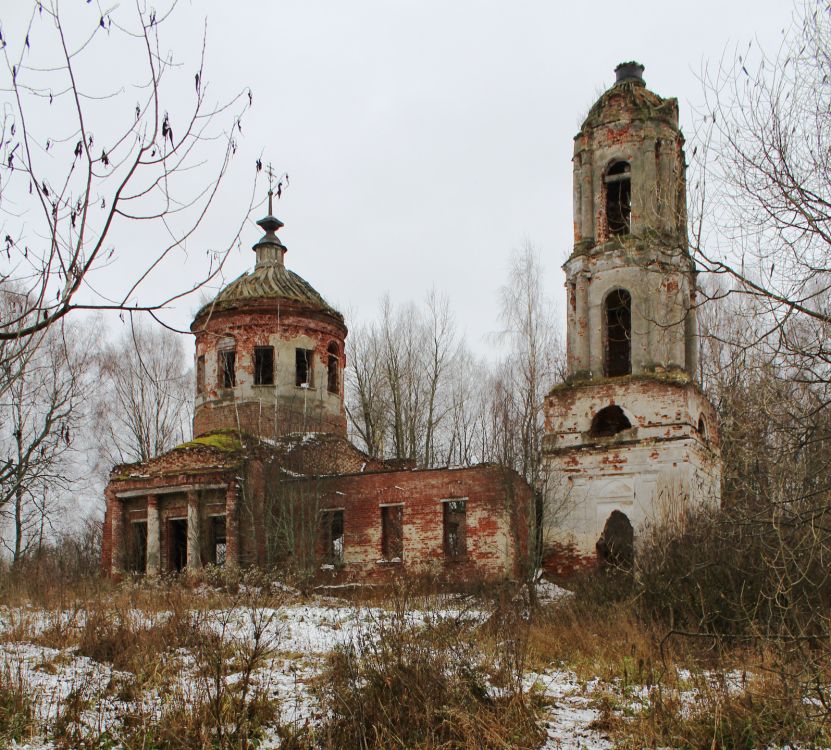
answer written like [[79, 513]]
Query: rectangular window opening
[[263, 365], [303, 370], [331, 536], [200, 374], [218, 540], [227, 368], [392, 533], [455, 528]]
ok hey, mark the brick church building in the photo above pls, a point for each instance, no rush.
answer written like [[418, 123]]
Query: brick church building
[[630, 437], [270, 478]]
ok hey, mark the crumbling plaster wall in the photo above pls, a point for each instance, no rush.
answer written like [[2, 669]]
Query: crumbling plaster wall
[[660, 285], [270, 410], [630, 127], [659, 468]]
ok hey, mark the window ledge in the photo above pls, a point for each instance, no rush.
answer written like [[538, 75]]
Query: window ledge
[[301, 388], [262, 385], [391, 561]]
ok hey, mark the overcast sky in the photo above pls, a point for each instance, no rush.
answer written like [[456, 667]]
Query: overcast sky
[[426, 139]]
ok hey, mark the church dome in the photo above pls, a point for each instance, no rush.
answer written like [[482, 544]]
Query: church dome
[[629, 99], [269, 281]]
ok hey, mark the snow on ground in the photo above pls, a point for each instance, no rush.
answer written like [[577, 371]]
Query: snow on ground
[[568, 725], [299, 635]]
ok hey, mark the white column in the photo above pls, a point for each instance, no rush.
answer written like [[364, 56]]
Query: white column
[[154, 552], [194, 547], [117, 541], [231, 526]]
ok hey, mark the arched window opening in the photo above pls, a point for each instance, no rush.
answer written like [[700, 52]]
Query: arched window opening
[[618, 198], [616, 546], [609, 421], [702, 427], [618, 319], [333, 376]]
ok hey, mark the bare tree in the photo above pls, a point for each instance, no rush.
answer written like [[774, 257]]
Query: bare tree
[[532, 364], [147, 392], [440, 348], [761, 193], [41, 417], [402, 371], [366, 390], [97, 138]]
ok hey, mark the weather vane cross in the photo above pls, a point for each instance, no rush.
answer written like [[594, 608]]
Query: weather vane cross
[[271, 177]]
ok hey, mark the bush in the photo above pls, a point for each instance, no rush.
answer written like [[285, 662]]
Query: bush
[[410, 685]]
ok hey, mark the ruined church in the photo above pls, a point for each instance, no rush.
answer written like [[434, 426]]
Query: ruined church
[[271, 479]]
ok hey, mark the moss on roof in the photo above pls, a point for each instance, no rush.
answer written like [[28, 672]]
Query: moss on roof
[[674, 376], [227, 441]]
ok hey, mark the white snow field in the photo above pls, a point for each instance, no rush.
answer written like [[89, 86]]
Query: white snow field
[[299, 638]]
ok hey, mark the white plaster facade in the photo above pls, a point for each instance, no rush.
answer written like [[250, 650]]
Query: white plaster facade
[[632, 362]]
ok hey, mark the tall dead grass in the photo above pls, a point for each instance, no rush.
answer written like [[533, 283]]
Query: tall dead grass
[[426, 683]]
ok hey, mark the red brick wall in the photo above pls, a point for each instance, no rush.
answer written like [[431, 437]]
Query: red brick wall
[[271, 410], [497, 512]]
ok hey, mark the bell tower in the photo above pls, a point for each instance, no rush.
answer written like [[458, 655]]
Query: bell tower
[[629, 430]]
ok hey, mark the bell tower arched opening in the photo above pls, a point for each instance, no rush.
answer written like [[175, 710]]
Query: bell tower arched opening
[[609, 421], [618, 198], [617, 320]]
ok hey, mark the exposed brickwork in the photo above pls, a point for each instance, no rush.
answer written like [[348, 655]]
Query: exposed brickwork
[[281, 408], [270, 453], [630, 244], [496, 530]]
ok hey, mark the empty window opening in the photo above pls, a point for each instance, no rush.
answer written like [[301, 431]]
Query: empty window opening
[[228, 368], [263, 365], [392, 532], [178, 543], [702, 427], [137, 550], [332, 375], [455, 528], [200, 374], [303, 370], [618, 330], [331, 536], [218, 540], [618, 198], [609, 421]]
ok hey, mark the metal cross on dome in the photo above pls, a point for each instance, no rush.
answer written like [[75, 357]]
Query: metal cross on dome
[[272, 176]]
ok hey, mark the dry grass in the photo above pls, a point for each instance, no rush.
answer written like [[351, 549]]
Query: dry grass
[[425, 686], [755, 713], [418, 681], [17, 715]]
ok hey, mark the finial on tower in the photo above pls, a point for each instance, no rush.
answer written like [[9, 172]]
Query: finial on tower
[[269, 249], [629, 71]]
